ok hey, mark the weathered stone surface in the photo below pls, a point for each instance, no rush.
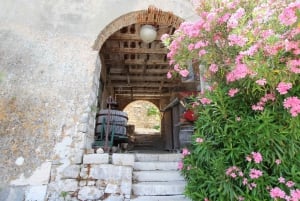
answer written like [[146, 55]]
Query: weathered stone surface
[[112, 188], [12, 193], [69, 185], [95, 158], [123, 159], [115, 198], [36, 193], [71, 172], [111, 172], [91, 183], [89, 193], [100, 151], [84, 172], [39, 177]]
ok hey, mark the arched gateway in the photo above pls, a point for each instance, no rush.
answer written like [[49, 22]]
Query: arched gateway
[[49, 72]]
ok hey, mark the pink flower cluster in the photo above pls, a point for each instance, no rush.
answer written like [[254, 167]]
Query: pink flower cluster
[[255, 174], [185, 152], [261, 82], [199, 140], [232, 92], [294, 65], [288, 16], [261, 104], [283, 87], [240, 71], [256, 156], [234, 172], [293, 104], [205, 101], [278, 193]]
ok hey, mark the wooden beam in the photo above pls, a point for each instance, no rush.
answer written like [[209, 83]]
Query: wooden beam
[[137, 50], [154, 84], [121, 70], [137, 78], [137, 62]]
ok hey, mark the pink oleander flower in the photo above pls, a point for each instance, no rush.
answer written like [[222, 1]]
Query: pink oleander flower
[[290, 184], [240, 71], [240, 198], [232, 92], [213, 68], [295, 195], [261, 82], [184, 72], [205, 101], [180, 165], [238, 118], [235, 39], [185, 152], [257, 108], [165, 37], [277, 161], [292, 103], [281, 180], [169, 75], [199, 140], [245, 181], [257, 157], [288, 16], [277, 193], [191, 47], [255, 174], [283, 87], [294, 65], [202, 52]]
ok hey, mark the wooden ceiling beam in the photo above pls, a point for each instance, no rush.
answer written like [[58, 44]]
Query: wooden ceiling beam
[[137, 62], [157, 84], [136, 50], [143, 78]]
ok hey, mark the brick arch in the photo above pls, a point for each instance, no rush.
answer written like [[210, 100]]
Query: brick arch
[[117, 24]]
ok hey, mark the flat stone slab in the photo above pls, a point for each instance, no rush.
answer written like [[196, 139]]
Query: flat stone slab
[[158, 157], [157, 176], [161, 198], [155, 165], [159, 188], [95, 158]]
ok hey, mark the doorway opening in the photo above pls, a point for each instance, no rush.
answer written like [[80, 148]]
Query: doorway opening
[[144, 125]]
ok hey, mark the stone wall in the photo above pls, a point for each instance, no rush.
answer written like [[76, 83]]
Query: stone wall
[[100, 177], [49, 84]]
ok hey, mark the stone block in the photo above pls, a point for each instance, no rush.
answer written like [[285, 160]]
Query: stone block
[[76, 158], [123, 159], [83, 127], [36, 193], [108, 172], [91, 183], [115, 198], [112, 188], [90, 193], [95, 158], [71, 172], [69, 185]]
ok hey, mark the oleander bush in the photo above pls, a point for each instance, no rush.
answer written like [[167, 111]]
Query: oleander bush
[[246, 144]]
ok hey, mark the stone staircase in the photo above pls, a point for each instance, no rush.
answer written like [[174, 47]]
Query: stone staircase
[[156, 178]]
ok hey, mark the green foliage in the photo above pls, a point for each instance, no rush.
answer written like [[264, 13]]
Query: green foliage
[[152, 111], [63, 194], [157, 127], [231, 131]]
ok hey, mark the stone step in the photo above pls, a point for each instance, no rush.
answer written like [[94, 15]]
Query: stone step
[[159, 188], [158, 157], [157, 176], [155, 165], [161, 198]]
